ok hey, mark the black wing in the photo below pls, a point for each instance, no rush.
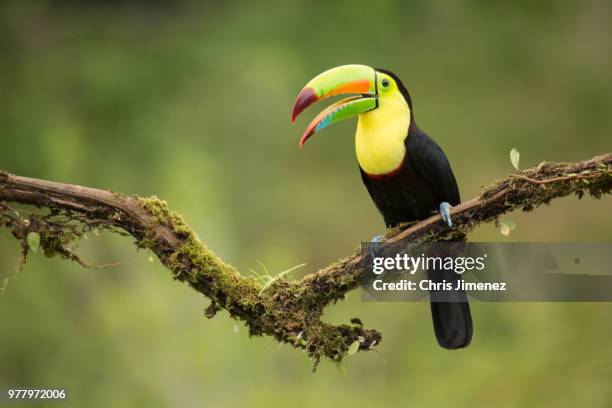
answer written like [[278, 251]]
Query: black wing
[[431, 163]]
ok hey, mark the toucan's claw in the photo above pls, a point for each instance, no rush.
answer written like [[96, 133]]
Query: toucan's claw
[[375, 245], [445, 213]]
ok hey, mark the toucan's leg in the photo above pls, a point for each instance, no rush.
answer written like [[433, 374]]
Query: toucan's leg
[[445, 213]]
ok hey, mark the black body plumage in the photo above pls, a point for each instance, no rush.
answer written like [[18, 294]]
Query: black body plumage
[[418, 186]]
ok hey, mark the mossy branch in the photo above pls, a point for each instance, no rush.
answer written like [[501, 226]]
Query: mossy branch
[[288, 310]]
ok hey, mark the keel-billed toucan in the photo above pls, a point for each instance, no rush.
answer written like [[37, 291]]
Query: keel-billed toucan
[[405, 171]]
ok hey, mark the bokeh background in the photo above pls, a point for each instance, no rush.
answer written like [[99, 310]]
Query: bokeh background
[[191, 101]]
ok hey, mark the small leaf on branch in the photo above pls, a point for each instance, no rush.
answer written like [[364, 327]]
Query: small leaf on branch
[[515, 157], [33, 241], [506, 226], [353, 348]]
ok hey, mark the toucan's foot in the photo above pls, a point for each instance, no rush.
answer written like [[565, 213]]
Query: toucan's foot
[[374, 245], [445, 213]]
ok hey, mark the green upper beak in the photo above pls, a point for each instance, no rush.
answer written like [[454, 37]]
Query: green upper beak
[[346, 79]]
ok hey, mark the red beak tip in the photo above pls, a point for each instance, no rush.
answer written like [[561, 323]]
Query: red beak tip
[[306, 136], [306, 98]]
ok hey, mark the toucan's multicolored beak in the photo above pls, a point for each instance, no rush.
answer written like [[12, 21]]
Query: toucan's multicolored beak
[[346, 79]]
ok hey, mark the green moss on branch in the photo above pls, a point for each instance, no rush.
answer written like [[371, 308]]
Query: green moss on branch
[[285, 310]]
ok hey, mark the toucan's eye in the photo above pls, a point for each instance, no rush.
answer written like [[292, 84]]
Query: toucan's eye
[[385, 83]]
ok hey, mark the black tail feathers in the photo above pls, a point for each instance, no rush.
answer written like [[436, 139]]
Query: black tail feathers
[[450, 312], [452, 323]]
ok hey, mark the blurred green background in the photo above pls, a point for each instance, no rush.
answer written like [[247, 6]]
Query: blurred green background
[[191, 101]]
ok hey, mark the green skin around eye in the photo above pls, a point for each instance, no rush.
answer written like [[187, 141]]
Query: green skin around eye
[[385, 84]]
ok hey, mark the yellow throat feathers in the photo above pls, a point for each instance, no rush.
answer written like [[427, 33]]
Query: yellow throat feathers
[[379, 141]]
